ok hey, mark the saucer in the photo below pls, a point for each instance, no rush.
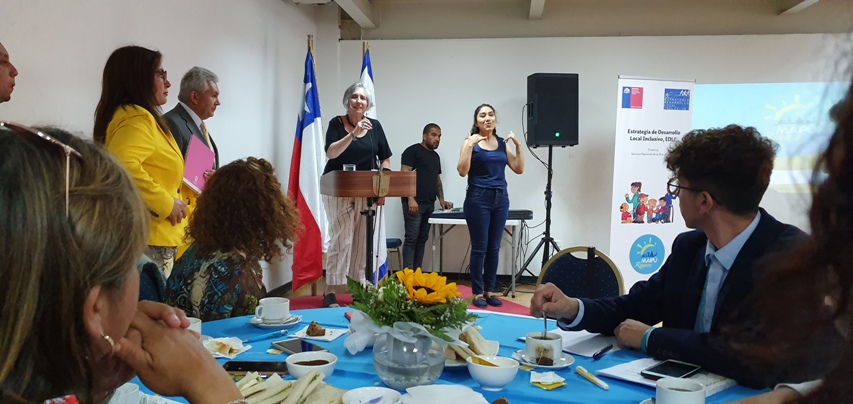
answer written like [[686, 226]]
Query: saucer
[[494, 346], [561, 363], [288, 323]]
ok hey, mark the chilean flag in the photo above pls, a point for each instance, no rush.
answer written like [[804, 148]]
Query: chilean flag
[[632, 97], [306, 166], [380, 250]]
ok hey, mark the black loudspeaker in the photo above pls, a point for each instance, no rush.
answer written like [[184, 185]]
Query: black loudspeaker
[[552, 109]]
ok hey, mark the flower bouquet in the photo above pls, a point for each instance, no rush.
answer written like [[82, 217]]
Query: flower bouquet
[[411, 315]]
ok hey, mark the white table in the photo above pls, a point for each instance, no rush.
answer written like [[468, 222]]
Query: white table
[[516, 226]]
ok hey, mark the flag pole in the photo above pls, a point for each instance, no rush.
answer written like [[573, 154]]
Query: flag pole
[[363, 48]]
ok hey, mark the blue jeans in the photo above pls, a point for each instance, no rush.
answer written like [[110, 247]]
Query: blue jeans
[[417, 233], [485, 211]]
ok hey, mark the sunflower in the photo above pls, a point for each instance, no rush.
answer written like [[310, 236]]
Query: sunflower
[[427, 288]]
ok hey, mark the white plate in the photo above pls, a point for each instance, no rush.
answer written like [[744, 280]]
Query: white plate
[[456, 363], [290, 322], [647, 401], [371, 395], [561, 363]]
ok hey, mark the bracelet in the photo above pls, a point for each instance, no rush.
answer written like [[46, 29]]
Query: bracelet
[[644, 342], [240, 401], [353, 136]]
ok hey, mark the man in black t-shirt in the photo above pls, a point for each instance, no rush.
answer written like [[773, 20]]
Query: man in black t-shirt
[[423, 160]]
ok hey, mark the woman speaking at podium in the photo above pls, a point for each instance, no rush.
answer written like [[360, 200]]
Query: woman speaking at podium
[[484, 158], [356, 140]]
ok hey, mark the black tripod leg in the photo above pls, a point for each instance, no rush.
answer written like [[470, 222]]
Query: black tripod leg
[[524, 268]]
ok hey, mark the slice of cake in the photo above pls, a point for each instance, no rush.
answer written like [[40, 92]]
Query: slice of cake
[[314, 330]]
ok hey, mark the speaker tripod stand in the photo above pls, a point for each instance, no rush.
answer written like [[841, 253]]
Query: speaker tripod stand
[[546, 241]]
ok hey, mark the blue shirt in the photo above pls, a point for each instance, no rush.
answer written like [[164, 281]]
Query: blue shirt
[[488, 167], [719, 262]]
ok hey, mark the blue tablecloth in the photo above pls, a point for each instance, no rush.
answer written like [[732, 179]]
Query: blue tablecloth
[[357, 370]]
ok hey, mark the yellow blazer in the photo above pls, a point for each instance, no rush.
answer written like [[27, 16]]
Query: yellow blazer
[[154, 161]]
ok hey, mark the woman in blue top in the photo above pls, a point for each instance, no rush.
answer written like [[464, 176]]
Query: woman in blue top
[[483, 159]]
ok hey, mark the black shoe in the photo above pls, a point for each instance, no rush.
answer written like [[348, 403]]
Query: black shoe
[[330, 300], [493, 301]]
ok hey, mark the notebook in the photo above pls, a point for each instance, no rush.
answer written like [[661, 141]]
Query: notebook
[[630, 372], [199, 159]]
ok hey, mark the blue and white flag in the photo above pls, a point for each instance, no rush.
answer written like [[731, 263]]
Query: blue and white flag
[[380, 250]]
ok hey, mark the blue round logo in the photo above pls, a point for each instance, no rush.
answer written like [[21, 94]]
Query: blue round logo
[[647, 254]]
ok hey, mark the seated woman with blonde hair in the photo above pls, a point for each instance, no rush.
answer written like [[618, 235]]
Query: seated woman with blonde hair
[[72, 226], [240, 219]]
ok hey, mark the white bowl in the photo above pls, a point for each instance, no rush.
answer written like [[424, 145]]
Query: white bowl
[[493, 378], [298, 371], [364, 395]]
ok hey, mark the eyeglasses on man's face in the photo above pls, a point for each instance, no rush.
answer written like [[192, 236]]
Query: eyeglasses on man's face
[[45, 139], [675, 189]]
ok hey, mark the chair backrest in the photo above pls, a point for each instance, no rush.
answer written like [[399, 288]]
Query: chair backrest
[[583, 277]]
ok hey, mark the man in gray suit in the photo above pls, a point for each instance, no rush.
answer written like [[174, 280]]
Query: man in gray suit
[[198, 99]]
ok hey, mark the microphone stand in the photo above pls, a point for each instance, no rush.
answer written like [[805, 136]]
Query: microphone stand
[[369, 217]]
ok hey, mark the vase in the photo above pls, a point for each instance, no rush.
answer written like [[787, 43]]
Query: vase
[[401, 364]]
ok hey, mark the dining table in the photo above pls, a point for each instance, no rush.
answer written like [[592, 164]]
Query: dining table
[[357, 370]]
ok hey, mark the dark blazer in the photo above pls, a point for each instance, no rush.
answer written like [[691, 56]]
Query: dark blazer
[[182, 126], [672, 296]]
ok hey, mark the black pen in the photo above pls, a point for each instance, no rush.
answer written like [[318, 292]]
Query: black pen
[[596, 356]]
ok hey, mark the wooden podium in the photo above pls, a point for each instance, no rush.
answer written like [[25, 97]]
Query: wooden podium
[[370, 185]]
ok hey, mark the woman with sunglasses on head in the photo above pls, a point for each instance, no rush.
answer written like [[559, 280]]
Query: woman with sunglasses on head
[[483, 159], [128, 123], [240, 219], [811, 289], [72, 226]]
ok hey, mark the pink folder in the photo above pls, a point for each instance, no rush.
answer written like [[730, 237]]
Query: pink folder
[[199, 159]]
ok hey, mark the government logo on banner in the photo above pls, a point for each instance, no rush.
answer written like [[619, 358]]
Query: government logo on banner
[[632, 97], [676, 99]]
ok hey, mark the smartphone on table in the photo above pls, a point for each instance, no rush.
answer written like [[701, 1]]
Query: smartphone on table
[[670, 368], [263, 368], [292, 346]]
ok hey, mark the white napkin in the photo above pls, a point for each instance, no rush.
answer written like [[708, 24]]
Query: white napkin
[[331, 334], [235, 344], [545, 377], [452, 393]]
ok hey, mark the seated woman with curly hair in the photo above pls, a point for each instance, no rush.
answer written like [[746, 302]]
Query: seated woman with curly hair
[[239, 220]]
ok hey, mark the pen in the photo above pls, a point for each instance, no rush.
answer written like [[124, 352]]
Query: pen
[[596, 356], [589, 376], [266, 336]]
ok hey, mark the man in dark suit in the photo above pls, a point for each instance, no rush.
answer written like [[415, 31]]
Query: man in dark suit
[[198, 99], [720, 176]]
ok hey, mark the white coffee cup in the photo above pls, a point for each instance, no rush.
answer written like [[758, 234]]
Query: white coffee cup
[[349, 167], [128, 393], [672, 390], [273, 309], [195, 325], [545, 351]]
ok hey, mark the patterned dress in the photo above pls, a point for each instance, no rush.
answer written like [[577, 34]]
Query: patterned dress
[[217, 286]]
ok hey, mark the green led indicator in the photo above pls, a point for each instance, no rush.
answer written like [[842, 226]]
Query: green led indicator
[[557, 134]]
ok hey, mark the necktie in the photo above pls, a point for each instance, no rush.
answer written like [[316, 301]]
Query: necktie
[[206, 134]]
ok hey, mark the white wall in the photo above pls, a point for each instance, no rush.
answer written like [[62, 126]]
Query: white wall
[[418, 81], [256, 47]]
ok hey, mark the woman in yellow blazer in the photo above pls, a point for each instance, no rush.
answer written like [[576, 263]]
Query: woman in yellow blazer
[[128, 123]]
